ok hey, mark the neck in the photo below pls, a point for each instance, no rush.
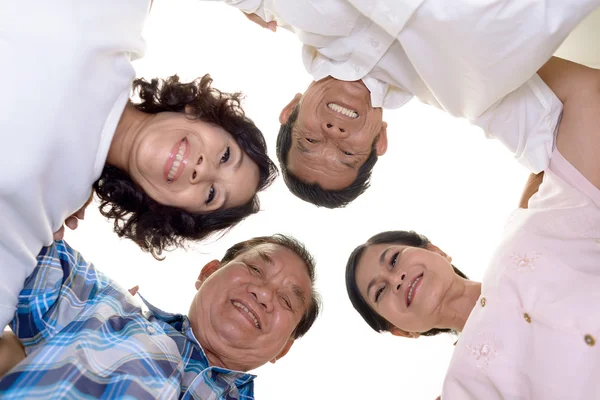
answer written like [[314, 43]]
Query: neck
[[128, 130], [215, 358], [219, 360], [462, 299]]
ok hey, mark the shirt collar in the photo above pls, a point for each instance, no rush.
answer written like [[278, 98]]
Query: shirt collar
[[182, 324]]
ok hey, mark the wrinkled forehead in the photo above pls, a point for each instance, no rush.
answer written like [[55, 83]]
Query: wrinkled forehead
[[317, 167], [276, 258]]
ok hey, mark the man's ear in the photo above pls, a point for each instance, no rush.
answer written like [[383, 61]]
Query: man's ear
[[382, 142], [285, 350], [207, 271], [287, 110], [399, 332], [436, 249]]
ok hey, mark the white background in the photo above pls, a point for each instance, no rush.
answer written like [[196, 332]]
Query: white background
[[440, 177]]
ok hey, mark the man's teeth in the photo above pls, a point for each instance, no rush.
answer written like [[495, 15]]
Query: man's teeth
[[243, 307], [343, 110], [412, 289], [177, 161]]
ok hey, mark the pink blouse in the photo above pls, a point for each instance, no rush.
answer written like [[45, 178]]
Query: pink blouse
[[535, 331]]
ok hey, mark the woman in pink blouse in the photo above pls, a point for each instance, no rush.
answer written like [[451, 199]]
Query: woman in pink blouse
[[530, 330]]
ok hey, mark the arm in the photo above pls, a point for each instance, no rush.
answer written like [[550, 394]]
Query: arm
[[531, 187], [60, 273], [73, 221], [12, 352], [578, 140]]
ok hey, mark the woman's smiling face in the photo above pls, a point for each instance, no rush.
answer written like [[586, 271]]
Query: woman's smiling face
[[405, 285], [192, 165]]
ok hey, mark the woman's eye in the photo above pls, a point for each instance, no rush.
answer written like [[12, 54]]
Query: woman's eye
[[211, 195], [347, 153], [394, 259], [309, 140], [225, 156], [378, 294]]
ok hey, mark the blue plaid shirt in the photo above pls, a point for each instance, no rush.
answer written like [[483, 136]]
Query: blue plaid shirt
[[85, 338]]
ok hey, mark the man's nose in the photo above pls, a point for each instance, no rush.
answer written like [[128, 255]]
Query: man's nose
[[335, 129], [263, 294]]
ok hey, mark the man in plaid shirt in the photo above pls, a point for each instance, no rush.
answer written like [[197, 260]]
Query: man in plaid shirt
[[85, 337]]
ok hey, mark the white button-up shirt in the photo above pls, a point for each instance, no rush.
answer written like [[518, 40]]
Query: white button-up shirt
[[473, 59]]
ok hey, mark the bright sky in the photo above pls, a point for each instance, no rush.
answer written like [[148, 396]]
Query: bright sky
[[440, 177]]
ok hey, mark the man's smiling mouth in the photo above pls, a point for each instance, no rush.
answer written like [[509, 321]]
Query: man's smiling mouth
[[342, 110], [248, 311]]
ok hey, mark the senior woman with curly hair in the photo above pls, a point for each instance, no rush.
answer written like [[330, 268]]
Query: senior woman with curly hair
[[530, 330], [178, 163]]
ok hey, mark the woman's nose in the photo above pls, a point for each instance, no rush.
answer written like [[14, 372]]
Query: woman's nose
[[202, 170], [399, 285]]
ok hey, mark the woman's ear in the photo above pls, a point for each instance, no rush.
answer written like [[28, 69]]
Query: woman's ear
[[399, 332]]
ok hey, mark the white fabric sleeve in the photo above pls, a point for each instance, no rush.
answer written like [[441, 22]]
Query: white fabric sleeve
[[525, 121], [247, 6], [473, 53], [16, 260]]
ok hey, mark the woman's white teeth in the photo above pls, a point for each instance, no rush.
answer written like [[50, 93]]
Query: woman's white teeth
[[412, 289], [177, 161], [343, 110], [243, 307]]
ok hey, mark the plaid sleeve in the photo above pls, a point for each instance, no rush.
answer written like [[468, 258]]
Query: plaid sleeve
[[54, 294]]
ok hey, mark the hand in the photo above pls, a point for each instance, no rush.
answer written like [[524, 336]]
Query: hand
[[531, 187], [272, 25], [12, 352], [72, 221], [134, 290]]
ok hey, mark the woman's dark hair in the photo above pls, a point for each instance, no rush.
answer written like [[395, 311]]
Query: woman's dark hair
[[156, 227], [374, 320]]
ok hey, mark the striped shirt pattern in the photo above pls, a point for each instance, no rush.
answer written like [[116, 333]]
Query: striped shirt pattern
[[87, 339]]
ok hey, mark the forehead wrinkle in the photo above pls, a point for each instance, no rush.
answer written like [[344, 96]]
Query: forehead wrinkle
[[301, 147], [264, 255]]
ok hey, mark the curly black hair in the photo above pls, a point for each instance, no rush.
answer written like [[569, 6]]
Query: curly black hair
[[156, 227]]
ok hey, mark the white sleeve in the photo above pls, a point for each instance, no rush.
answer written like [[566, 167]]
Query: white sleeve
[[471, 54], [18, 251], [248, 6], [525, 121]]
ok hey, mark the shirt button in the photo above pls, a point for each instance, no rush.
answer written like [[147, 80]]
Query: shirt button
[[483, 302], [589, 339], [527, 318], [374, 43], [151, 329]]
